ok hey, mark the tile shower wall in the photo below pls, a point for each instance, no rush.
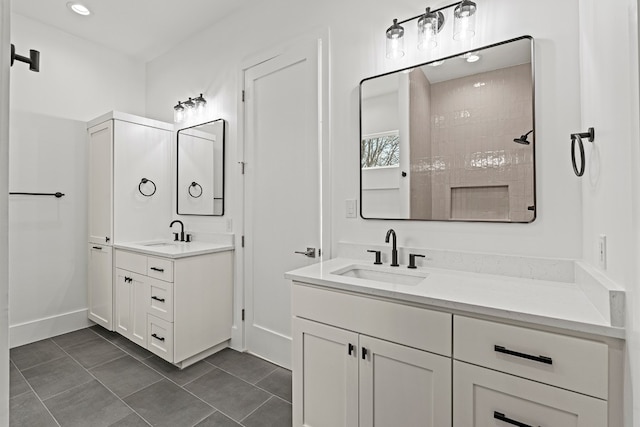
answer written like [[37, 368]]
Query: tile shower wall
[[486, 111]]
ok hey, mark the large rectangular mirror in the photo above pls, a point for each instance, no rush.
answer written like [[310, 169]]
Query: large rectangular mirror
[[451, 140], [200, 160]]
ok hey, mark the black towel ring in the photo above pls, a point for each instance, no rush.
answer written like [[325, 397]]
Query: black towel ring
[[194, 185], [144, 181], [577, 137]]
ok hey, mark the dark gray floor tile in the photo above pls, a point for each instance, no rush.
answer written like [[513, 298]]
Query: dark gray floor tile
[[217, 419], [177, 375], [56, 376], [94, 352], [278, 383], [74, 338], [133, 349], [125, 375], [231, 395], [132, 420], [17, 384], [105, 333], [275, 413], [33, 354], [166, 404], [244, 365], [88, 404], [27, 410]]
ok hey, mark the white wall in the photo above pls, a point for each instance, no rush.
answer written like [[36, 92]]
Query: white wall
[[78, 81], [357, 51], [4, 182], [610, 186]]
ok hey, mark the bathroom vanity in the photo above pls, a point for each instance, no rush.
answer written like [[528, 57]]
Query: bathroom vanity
[[375, 345], [174, 299]]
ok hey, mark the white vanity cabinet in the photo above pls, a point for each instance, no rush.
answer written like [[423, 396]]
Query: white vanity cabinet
[[179, 309], [100, 290], [353, 367], [527, 377]]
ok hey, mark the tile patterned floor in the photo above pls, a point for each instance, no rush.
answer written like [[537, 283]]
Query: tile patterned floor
[[93, 377]]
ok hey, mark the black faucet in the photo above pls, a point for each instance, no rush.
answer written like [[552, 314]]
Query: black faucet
[[394, 249], [181, 230]]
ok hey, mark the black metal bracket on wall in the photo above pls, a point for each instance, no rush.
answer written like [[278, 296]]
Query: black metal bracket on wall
[[33, 60]]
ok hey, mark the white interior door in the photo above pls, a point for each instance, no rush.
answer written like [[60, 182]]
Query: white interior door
[[282, 192]]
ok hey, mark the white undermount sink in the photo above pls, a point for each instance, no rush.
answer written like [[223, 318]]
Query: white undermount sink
[[160, 244], [383, 274]]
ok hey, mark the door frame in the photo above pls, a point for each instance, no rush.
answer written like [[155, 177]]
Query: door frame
[[322, 40]]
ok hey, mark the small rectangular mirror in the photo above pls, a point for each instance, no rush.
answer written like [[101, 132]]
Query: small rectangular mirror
[[451, 140], [200, 164]]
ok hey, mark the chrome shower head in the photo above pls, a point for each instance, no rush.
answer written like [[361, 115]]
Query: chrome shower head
[[523, 139]]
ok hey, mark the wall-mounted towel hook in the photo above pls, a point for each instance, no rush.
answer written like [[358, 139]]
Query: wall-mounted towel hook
[[577, 137], [33, 60], [195, 185], [144, 181]]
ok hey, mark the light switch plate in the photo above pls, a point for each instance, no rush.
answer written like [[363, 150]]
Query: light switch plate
[[602, 251], [351, 206]]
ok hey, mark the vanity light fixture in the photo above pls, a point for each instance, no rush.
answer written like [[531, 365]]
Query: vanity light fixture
[[430, 24], [185, 110], [464, 24], [395, 41], [79, 8]]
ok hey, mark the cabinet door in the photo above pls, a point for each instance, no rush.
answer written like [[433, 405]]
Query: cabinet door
[[142, 152], [403, 386], [132, 294], [101, 285], [101, 183], [489, 398], [325, 383]]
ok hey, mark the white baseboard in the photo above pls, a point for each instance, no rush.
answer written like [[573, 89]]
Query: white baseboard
[[47, 327]]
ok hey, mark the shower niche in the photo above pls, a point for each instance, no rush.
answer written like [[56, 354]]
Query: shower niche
[[452, 139]]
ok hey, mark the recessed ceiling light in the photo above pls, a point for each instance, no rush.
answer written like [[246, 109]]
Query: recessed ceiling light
[[78, 8], [435, 63], [471, 57]]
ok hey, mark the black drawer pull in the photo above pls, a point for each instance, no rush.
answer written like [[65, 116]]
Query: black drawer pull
[[98, 248], [351, 347], [501, 417], [157, 337], [157, 299], [364, 353], [127, 279], [541, 359], [161, 270]]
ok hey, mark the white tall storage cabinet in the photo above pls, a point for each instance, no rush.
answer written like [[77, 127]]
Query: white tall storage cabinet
[[128, 156]]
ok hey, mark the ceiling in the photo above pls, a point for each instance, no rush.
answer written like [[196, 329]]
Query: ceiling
[[143, 29]]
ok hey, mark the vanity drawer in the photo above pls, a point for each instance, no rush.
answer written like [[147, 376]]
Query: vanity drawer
[[488, 398], [396, 322], [572, 363], [160, 302], [160, 338], [160, 268], [131, 262]]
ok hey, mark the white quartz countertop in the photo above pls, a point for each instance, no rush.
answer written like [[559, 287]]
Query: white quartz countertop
[[542, 302], [172, 249]]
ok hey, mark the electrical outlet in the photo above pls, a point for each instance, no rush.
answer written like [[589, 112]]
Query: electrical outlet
[[602, 252], [351, 208]]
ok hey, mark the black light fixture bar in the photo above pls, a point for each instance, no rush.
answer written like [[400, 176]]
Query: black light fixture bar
[[432, 11]]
